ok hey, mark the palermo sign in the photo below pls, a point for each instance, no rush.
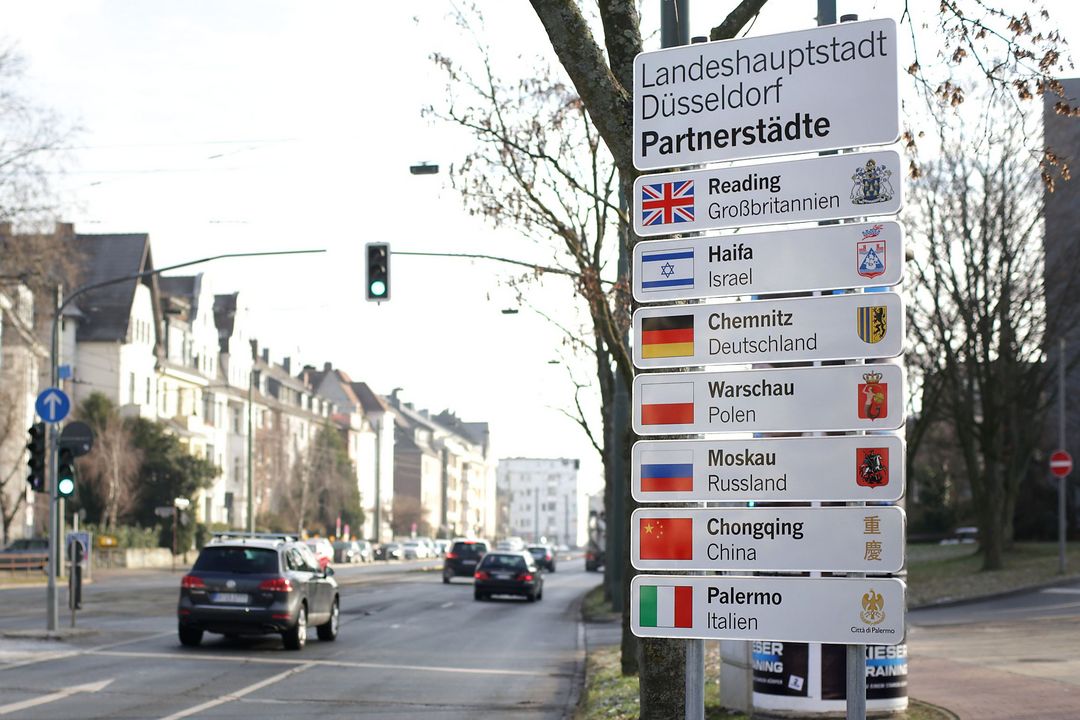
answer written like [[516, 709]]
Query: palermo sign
[[822, 89]]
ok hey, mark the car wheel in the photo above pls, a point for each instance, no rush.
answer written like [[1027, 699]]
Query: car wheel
[[328, 630], [190, 637], [296, 636], [540, 595], [553, 567], [532, 596], [477, 595], [445, 579]]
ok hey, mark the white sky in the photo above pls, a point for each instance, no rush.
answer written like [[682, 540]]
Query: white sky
[[321, 104]]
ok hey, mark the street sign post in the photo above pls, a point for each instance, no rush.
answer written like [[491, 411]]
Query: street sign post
[[804, 399], [1061, 463], [866, 468], [856, 611], [77, 437], [822, 188], [838, 327], [801, 539], [52, 405], [827, 88], [853, 255]]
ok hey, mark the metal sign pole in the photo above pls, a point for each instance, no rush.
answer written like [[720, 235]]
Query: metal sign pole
[[1061, 445]]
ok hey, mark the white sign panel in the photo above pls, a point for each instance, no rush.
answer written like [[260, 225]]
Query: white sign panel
[[854, 255], [851, 468], [831, 327], [773, 539], [822, 188], [827, 88], [854, 611], [807, 399]]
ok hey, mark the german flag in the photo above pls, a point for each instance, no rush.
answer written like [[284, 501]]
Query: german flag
[[667, 336]]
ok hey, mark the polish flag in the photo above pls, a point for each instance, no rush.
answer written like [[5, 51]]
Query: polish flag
[[667, 403]]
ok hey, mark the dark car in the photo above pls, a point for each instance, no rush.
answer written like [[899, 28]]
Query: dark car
[[347, 552], [594, 557], [462, 558], [390, 551], [25, 554], [508, 573], [258, 586], [544, 555]]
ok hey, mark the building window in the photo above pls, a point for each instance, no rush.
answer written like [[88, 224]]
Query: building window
[[148, 397], [131, 388]]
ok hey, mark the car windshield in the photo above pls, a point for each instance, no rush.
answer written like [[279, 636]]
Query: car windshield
[[469, 549], [246, 560], [503, 562], [538, 552]]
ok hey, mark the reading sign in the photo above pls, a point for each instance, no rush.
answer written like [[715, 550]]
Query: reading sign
[[823, 89]]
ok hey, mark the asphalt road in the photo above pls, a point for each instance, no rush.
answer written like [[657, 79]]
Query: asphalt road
[[409, 647]]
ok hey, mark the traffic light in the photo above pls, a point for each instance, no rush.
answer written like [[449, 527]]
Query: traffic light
[[65, 473], [378, 271], [36, 477]]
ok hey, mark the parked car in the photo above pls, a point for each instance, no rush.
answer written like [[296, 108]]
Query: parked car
[[442, 547], [462, 558], [544, 555], [324, 551], [389, 551], [367, 550], [962, 536], [347, 551], [258, 586], [510, 544], [508, 573], [415, 550], [594, 557], [25, 554]]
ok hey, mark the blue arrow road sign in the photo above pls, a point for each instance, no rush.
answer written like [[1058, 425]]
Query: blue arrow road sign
[[52, 405]]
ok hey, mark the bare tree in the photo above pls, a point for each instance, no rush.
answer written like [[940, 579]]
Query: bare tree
[[12, 472], [980, 317], [114, 463]]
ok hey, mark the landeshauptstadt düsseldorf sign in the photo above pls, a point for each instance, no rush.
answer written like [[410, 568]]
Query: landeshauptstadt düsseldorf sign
[[855, 611], [832, 187], [823, 89], [834, 327]]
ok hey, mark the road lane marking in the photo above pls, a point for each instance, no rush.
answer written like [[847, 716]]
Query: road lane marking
[[237, 694], [320, 663], [64, 654], [1062, 591], [53, 697], [447, 604]]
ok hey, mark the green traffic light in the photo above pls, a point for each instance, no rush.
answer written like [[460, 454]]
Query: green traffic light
[[378, 288], [65, 487]]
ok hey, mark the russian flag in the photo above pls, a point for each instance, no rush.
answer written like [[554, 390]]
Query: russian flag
[[667, 471]]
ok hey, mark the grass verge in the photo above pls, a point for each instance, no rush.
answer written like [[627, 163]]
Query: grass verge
[[938, 573]]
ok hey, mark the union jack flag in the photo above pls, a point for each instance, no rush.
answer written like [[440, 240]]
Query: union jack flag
[[665, 203]]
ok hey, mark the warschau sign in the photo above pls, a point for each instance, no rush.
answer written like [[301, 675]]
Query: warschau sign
[[823, 188], [833, 327], [866, 468], [806, 399], [772, 539], [855, 611], [854, 255], [823, 89]]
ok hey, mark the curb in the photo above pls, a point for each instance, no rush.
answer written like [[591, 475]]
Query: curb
[[952, 602], [61, 634], [577, 685]]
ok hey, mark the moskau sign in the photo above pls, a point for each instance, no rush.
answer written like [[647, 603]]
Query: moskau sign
[[823, 89], [807, 399], [854, 255], [822, 188], [833, 327], [839, 469], [853, 611], [828, 539]]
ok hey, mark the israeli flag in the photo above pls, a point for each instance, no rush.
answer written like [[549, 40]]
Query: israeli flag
[[665, 269]]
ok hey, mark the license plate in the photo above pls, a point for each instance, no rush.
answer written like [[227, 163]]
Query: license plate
[[231, 598], [468, 562], [503, 576]]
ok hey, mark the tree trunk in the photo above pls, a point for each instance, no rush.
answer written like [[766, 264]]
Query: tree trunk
[[662, 685]]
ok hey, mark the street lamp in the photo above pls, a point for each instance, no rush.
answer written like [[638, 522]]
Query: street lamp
[[55, 521]]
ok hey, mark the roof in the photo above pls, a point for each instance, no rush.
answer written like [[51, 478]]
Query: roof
[[369, 400], [225, 318], [107, 310]]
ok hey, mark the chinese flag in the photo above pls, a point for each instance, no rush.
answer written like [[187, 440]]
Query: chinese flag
[[666, 538]]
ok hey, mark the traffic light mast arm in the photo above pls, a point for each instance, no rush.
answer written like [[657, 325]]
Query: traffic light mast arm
[[496, 258]]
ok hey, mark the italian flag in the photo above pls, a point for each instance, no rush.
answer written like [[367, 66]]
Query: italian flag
[[666, 606]]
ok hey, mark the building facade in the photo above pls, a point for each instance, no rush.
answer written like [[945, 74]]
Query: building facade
[[543, 500]]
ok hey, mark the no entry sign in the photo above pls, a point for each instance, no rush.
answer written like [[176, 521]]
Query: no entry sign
[[1061, 463]]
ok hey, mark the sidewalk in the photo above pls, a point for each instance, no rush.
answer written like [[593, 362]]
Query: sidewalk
[[1026, 669]]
